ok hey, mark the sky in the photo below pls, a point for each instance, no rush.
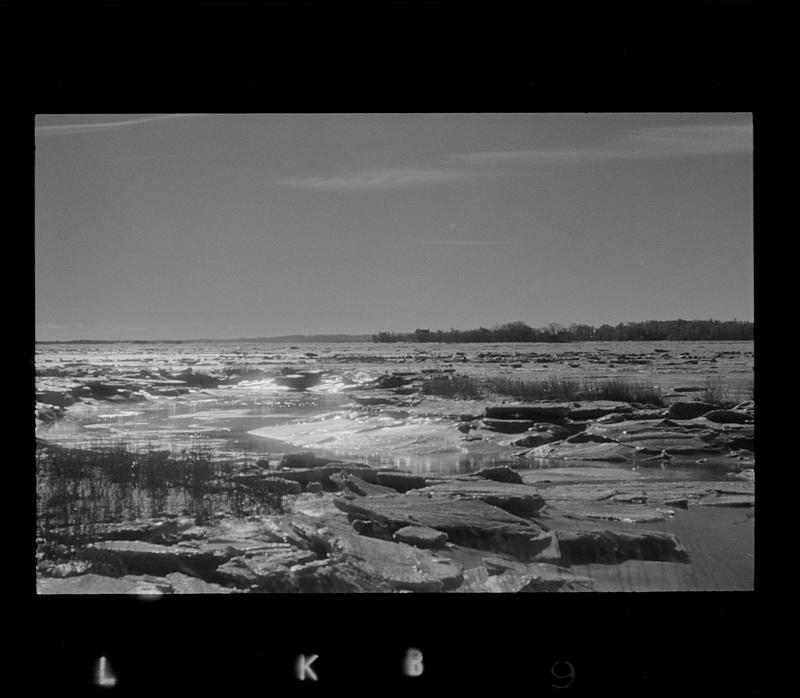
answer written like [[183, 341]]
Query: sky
[[178, 226]]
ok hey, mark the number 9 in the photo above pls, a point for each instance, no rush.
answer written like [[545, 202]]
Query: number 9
[[569, 676]]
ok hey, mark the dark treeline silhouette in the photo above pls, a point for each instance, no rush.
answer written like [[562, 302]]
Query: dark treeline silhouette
[[664, 330]]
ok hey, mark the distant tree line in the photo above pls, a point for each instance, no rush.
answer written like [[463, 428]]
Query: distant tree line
[[659, 330]]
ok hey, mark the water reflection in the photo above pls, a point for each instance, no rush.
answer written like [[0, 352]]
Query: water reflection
[[217, 422]]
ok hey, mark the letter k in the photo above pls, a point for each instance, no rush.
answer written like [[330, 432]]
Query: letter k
[[304, 667]]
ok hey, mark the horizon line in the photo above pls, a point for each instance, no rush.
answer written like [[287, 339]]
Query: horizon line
[[324, 337]]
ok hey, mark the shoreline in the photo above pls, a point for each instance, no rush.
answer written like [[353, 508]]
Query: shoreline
[[553, 486]]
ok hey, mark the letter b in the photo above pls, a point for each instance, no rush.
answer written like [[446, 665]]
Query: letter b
[[412, 665]]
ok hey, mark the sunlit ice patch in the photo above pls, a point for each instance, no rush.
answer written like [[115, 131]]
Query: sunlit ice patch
[[331, 385], [148, 591], [251, 385], [115, 415]]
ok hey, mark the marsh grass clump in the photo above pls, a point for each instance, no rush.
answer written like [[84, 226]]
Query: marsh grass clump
[[551, 388], [719, 391], [113, 484], [623, 391], [715, 390], [453, 386]]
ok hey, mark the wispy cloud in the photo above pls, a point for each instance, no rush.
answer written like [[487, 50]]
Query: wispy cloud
[[57, 326], [645, 143], [709, 139], [126, 328], [380, 178], [154, 156], [467, 242], [92, 126]]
